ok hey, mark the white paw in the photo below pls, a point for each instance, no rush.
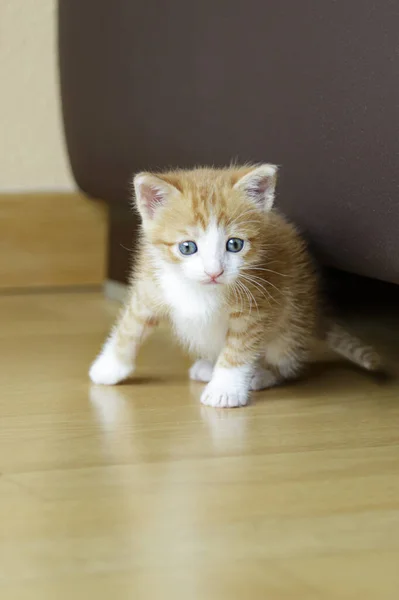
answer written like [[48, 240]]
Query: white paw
[[262, 379], [108, 370], [201, 370], [224, 397]]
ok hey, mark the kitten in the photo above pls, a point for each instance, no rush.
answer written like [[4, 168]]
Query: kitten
[[232, 276]]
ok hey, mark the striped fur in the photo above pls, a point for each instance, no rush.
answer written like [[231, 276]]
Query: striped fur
[[350, 347]]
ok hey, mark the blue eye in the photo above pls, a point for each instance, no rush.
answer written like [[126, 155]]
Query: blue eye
[[234, 245], [187, 248]]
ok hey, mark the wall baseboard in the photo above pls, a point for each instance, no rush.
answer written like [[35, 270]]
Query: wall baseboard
[[52, 240]]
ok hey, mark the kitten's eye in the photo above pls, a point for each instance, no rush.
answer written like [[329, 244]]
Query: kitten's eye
[[234, 245], [187, 248]]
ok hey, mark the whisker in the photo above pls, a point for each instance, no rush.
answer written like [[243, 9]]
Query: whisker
[[245, 222], [255, 268], [248, 291], [262, 279], [241, 300], [253, 297], [267, 282], [238, 294], [237, 216], [234, 288], [128, 249], [265, 293], [245, 290], [254, 282], [247, 210], [236, 225]]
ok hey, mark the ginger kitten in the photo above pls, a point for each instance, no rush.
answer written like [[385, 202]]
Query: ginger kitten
[[231, 275]]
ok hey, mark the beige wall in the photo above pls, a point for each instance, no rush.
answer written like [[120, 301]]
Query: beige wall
[[32, 153]]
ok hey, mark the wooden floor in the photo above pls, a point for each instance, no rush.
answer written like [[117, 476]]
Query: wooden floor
[[138, 492]]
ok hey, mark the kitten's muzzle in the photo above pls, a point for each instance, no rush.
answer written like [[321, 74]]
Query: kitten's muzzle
[[213, 277]]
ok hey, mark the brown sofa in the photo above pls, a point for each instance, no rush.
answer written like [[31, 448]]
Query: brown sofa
[[311, 85]]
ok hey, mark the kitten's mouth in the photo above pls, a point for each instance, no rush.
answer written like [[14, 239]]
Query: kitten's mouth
[[212, 282]]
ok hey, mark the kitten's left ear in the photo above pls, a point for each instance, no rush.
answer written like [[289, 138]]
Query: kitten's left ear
[[151, 192], [259, 185]]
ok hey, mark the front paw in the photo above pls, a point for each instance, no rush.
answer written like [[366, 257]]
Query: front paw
[[108, 370], [224, 397]]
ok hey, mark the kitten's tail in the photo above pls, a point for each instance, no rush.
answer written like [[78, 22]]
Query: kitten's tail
[[352, 348]]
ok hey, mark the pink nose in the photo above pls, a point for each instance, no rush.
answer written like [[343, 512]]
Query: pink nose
[[215, 275]]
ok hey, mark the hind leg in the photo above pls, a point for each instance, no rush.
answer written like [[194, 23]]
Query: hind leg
[[202, 370], [263, 378], [283, 360]]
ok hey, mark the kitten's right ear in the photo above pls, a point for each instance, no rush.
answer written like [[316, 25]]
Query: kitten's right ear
[[151, 192]]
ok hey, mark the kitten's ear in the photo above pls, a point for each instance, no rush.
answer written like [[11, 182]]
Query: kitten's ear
[[259, 185], [151, 192]]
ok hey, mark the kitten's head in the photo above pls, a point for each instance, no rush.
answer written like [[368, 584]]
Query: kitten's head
[[206, 223]]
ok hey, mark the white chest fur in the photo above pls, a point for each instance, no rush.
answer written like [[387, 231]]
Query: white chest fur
[[197, 313]]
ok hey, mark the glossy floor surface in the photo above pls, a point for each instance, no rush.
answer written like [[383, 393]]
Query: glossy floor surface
[[138, 492]]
